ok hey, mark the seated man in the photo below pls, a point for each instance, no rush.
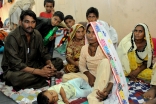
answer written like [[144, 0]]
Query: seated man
[[25, 63]]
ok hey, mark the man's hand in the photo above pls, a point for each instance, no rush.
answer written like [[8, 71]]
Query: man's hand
[[47, 72], [51, 38], [51, 66]]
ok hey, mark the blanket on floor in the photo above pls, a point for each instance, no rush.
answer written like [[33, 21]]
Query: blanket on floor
[[25, 96], [28, 96], [136, 91]]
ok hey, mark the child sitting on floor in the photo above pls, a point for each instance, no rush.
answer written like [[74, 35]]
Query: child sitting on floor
[[62, 92]]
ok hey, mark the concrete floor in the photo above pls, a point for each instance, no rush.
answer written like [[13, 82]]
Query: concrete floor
[[6, 100]]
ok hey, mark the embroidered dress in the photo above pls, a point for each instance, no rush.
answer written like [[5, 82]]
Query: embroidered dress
[[73, 50]]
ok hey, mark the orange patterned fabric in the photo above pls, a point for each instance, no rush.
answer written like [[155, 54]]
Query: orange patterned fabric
[[3, 34], [73, 51]]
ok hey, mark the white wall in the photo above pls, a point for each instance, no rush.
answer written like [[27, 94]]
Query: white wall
[[123, 15]]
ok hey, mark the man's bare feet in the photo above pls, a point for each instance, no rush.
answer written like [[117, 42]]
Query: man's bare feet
[[151, 93], [153, 101]]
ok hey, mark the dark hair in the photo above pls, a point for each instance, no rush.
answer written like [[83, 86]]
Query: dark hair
[[132, 46], [92, 10], [49, 1], [59, 14], [88, 27], [42, 99], [141, 26], [29, 13], [68, 17]]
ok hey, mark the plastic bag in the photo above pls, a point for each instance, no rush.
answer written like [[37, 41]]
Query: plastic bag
[[61, 49]]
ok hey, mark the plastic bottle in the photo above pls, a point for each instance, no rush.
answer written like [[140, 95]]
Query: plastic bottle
[[51, 33], [52, 83]]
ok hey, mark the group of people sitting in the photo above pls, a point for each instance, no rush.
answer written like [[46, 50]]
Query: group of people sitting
[[90, 72]]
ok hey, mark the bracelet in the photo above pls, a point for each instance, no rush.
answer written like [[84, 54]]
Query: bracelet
[[32, 71]]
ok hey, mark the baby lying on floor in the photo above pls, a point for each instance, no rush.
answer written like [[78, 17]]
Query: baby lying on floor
[[62, 92]]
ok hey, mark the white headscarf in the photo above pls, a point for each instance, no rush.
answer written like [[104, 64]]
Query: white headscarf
[[20, 4], [126, 44]]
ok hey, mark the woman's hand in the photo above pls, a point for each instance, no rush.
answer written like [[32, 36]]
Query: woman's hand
[[102, 95], [151, 93], [91, 78], [134, 73]]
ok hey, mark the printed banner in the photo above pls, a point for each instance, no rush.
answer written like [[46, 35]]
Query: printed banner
[[120, 89]]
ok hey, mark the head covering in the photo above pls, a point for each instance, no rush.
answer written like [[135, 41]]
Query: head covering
[[149, 43], [127, 44], [74, 29], [16, 9], [120, 88]]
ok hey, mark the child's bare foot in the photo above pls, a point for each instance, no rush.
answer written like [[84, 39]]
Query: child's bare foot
[[153, 101], [151, 93]]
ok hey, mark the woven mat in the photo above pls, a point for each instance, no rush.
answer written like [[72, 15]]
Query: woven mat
[[136, 91], [26, 96]]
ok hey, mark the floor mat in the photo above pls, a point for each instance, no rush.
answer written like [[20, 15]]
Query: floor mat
[[136, 91], [26, 96]]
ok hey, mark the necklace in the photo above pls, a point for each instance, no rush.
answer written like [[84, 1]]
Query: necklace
[[142, 49], [92, 51]]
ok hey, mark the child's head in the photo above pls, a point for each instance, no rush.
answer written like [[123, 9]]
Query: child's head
[[57, 18], [92, 14], [49, 5], [47, 97], [69, 21]]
